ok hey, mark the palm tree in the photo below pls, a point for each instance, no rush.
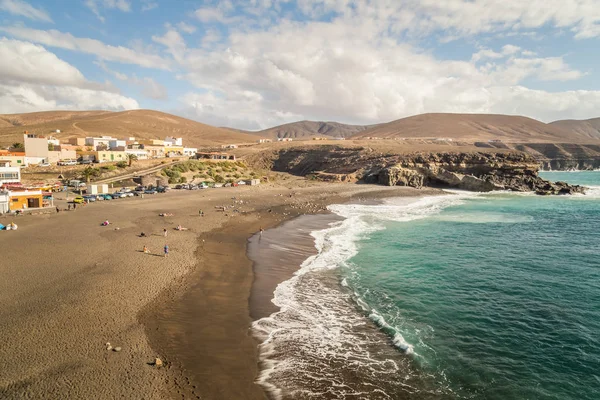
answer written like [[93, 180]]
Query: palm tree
[[88, 173], [17, 145], [131, 158]]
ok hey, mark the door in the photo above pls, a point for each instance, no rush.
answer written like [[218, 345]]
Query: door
[[112, 157], [33, 203]]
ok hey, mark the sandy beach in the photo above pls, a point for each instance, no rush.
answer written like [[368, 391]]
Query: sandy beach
[[71, 285]]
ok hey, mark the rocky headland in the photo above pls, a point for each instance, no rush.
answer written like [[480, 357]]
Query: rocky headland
[[474, 171]]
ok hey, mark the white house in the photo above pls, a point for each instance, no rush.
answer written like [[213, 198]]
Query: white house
[[264, 140], [114, 143], [173, 141], [94, 142], [189, 151], [141, 154], [10, 175], [4, 202], [54, 141]]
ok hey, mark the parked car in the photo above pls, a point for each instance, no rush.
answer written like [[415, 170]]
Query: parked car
[[99, 161], [179, 187], [150, 191], [119, 195], [79, 200], [90, 198], [163, 189], [128, 194], [99, 197], [140, 188], [85, 162], [107, 197], [44, 164]]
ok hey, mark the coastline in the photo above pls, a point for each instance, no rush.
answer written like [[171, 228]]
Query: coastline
[[80, 285]]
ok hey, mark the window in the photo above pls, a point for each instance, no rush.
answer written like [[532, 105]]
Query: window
[[15, 200], [18, 161]]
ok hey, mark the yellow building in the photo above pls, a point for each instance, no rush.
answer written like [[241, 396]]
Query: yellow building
[[173, 151], [25, 199], [110, 156]]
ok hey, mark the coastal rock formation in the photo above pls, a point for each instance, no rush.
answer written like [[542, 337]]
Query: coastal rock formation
[[555, 156], [474, 171]]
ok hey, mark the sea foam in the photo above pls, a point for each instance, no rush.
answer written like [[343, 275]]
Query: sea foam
[[323, 332]]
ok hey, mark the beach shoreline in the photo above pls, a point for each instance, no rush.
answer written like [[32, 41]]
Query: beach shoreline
[[87, 285]]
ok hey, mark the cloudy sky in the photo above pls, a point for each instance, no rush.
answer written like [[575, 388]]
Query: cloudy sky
[[258, 63]]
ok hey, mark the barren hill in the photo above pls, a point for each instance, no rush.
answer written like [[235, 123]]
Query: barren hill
[[307, 129], [589, 128], [474, 128], [143, 124]]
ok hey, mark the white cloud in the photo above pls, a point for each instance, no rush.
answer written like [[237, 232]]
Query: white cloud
[[95, 5], [103, 51], [24, 61], [187, 28], [34, 79], [20, 7], [148, 5], [150, 88], [351, 69]]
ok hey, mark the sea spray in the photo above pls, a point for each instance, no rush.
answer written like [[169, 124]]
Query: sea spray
[[325, 341]]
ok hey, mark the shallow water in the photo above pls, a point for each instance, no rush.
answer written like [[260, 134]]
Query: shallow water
[[461, 296]]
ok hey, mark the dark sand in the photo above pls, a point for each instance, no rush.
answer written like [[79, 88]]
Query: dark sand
[[69, 286]]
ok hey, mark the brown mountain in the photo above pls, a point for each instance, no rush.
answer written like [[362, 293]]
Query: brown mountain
[[143, 124], [589, 128], [307, 129], [474, 128]]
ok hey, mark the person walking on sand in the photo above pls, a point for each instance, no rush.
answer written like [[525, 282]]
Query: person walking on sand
[[57, 209], [165, 232], [146, 250], [166, 249]]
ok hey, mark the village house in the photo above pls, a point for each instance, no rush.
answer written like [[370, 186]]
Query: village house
[[14, 158], [264, 141], [284, 139], [229, 146], [189, 151], [9, 174], [140, 154], [173, 141], [215, 156]]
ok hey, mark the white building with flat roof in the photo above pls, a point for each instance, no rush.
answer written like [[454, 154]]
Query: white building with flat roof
[[10, 175], [189, 151], [173, 141]]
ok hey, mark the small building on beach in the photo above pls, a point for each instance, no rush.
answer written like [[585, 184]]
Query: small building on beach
[[21, 200]]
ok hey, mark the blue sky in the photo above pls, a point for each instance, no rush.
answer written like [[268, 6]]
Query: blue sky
[[259, 63]]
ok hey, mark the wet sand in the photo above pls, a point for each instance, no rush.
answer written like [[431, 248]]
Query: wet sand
[[70, 285]]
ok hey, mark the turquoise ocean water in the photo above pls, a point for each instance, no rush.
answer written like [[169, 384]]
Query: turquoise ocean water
[[477, 296]]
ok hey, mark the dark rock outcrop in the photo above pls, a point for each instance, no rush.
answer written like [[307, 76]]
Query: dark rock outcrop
[[481, 172]]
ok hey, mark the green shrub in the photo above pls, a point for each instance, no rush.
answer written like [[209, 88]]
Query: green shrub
[[219, 179], [122, 164], [183, 179]]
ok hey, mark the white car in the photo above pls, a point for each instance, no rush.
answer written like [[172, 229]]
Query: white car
[[44, 164]]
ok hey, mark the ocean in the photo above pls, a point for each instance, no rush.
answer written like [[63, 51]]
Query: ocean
[[460, 296]]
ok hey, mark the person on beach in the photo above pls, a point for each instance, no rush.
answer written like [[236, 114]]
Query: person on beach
[[57, 209], [261, 231], [166, 249], [146, 250], [201, 213], [165, 232], [69, 207]]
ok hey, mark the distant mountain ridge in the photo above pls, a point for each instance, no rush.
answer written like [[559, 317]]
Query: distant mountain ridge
[[307, 129], [587, 128], [142, 124], [474, 128]]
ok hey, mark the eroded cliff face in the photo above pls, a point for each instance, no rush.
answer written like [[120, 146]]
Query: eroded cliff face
[[556, 156], [482, 172]]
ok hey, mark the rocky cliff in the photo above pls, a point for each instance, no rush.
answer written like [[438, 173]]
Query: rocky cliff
[[556, 156], [476, 171]]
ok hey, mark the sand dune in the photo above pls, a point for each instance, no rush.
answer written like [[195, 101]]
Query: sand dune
[[144, 124], [474, 127]]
